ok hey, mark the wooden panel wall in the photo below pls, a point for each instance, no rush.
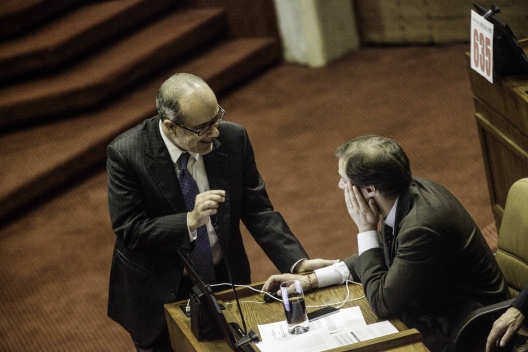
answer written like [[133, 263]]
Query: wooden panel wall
[[501, 111]]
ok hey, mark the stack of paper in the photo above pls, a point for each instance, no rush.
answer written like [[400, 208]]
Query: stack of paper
[[343, 328]]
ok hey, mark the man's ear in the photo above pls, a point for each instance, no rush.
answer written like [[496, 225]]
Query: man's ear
[[371, 190], [168, 124]]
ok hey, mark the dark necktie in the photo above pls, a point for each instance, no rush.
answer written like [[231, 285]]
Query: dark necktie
[[201, 254], [389, 238]]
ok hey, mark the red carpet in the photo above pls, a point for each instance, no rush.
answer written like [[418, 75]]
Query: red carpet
[[54, 262]]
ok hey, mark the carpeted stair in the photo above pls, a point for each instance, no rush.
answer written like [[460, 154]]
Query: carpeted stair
[[73, 78]]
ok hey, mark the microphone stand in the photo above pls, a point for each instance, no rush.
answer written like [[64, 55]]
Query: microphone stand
[[246, 337]]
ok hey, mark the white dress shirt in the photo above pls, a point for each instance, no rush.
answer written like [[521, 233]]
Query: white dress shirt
[[196, 167]]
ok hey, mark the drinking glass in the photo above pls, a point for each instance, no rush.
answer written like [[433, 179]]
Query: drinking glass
[[294, 307]]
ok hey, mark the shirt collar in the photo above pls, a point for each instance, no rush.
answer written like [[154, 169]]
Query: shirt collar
[[391, 218], [174, 151]]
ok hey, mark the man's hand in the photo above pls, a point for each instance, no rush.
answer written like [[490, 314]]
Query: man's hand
[[504, 329], [365, 215], [205, 205], [273, 283], [312, 264]]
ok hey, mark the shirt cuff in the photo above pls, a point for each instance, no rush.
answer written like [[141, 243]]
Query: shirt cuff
[[292, 268], [192, 234], [367, 240], [334, 274]]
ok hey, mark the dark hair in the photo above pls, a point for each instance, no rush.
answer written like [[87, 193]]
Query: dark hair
[[377, 161]]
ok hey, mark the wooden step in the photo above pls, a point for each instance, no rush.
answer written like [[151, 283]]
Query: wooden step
[[40, 159], [20, 16], [88, 27], [102, 76]]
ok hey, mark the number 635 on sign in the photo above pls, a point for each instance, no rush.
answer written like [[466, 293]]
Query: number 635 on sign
[[482, 46]]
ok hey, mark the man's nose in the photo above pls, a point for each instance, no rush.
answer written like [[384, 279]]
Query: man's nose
[[213, 132]]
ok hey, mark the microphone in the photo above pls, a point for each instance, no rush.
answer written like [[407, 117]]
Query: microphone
[[246, 337], [494, 10], [214, 222]]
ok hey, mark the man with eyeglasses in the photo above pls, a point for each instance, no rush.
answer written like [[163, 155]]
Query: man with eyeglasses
[[151, 220]]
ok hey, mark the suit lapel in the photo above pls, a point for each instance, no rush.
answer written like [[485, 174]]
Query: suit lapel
[[162, 171], [403, 208], [161, 168], [217, 169]]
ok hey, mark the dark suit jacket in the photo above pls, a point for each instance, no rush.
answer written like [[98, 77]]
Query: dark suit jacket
[[149, 218], [521, 301], [442, 266]]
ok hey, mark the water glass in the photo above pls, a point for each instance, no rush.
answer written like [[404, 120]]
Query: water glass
[[294, 307]]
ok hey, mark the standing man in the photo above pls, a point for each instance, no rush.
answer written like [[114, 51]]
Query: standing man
[[154, 211], [429, 265]]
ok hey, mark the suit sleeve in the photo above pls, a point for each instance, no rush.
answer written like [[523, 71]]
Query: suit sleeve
[[420, 258], [136, 219], [351, 265], [267, 226], [521, 301]]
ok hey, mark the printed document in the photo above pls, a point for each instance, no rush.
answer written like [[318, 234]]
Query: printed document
[[340, 329]]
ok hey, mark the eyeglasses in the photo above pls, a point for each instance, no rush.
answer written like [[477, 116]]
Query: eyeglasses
[[205, 127]]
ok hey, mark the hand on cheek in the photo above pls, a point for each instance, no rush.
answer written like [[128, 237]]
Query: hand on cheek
[[364, 213]]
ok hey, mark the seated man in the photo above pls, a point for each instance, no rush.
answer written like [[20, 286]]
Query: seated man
[[429, 265], [505, 328]]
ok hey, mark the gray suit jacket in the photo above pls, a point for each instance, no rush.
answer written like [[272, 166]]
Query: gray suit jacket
[[149, 218], [442, 267]]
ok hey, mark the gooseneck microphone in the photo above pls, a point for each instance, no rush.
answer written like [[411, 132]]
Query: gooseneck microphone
[[250, 336]]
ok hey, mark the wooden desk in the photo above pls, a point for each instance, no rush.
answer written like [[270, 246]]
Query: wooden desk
[[501, 111], [407, 340]]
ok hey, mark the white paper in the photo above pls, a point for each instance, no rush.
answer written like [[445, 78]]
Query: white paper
[[339, 329]]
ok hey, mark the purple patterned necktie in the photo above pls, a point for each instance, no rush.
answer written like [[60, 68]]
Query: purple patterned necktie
[[389, 238], [201, 255]]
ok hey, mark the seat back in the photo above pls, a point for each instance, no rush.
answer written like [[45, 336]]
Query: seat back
[[512, 256], [512, 247]]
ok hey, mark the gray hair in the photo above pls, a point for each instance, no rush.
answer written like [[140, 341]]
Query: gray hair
[[171, 91]]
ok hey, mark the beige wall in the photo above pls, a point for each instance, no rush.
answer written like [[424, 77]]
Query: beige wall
[[430, 21], [315, 32]]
